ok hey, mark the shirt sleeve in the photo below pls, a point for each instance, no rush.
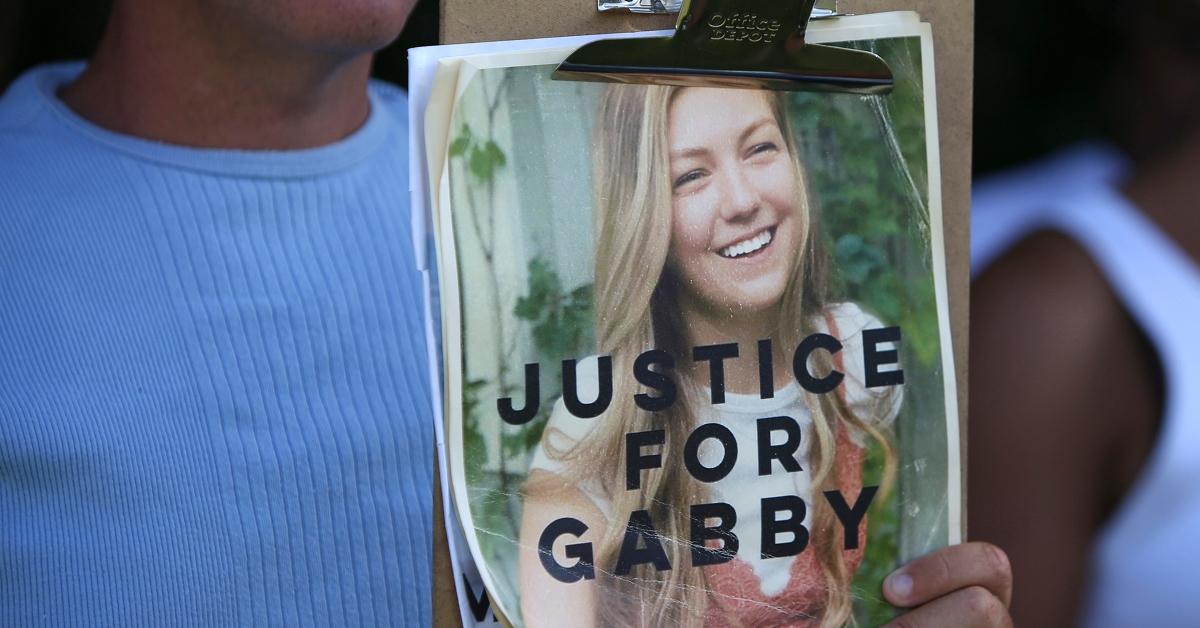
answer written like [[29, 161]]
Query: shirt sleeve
[[876, 406]]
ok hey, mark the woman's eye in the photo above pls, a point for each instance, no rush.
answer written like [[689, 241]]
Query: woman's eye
[[764, 147], [687, 178]]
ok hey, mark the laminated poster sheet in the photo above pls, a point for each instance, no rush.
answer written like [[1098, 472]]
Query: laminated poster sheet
[[695, 342]]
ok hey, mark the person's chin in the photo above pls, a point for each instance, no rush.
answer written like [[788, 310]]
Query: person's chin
[[763, 291], [752, 302], [351, 27]]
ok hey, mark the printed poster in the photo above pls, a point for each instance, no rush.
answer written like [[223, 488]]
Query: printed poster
[[696, 348]]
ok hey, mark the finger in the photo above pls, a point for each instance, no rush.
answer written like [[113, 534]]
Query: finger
[[949, 569], [972, 607]]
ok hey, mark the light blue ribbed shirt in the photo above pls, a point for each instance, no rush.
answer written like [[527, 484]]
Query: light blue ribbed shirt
[[214, 393]]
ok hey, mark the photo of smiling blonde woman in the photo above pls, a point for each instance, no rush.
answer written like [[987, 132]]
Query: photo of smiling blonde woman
[[699, 364], [705, 237]]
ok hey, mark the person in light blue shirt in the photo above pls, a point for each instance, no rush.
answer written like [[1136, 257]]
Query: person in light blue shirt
[[214, 391]]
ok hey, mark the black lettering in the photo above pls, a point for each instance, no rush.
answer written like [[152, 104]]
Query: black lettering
[[766, 370], [800, 364], [784, 452], [851, 517], [716, 356], [635, 462], [640, 530], [873, 358], [479, 605], [595, 408], [703, 555], [794, 524], [651, 379], [691, 452], [582, 569], [533, 399]]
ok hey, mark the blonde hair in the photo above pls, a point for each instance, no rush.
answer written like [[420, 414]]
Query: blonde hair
[[635, 311]]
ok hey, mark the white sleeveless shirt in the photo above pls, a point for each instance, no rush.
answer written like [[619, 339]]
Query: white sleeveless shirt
[[1144, 561]]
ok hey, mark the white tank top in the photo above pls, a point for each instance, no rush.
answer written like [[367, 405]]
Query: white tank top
[[1145, 567]]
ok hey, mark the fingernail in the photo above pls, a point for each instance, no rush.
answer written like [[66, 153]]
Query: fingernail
[[900, 584]]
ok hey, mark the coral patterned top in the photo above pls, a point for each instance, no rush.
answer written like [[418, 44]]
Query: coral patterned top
[[736, 597]]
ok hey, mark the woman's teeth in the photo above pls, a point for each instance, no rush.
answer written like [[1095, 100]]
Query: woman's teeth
[[746, 247]]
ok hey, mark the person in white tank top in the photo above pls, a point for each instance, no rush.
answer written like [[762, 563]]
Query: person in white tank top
[[1085, 359]]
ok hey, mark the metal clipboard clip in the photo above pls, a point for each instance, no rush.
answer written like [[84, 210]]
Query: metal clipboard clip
[[823, 9], [733, 43]]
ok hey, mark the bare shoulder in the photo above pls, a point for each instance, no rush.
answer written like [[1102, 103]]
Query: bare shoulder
[[1041, 276], [1049, 333]]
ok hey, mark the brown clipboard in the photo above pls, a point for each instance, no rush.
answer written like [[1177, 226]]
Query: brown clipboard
[[952, 21]]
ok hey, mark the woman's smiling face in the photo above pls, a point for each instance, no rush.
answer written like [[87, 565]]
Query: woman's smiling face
[[735, 194]]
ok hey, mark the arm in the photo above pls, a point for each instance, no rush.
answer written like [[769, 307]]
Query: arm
[[1061, 416], [544, 600]]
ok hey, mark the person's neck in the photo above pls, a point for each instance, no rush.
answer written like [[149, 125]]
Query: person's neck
[[706, 327], [161, 78]]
